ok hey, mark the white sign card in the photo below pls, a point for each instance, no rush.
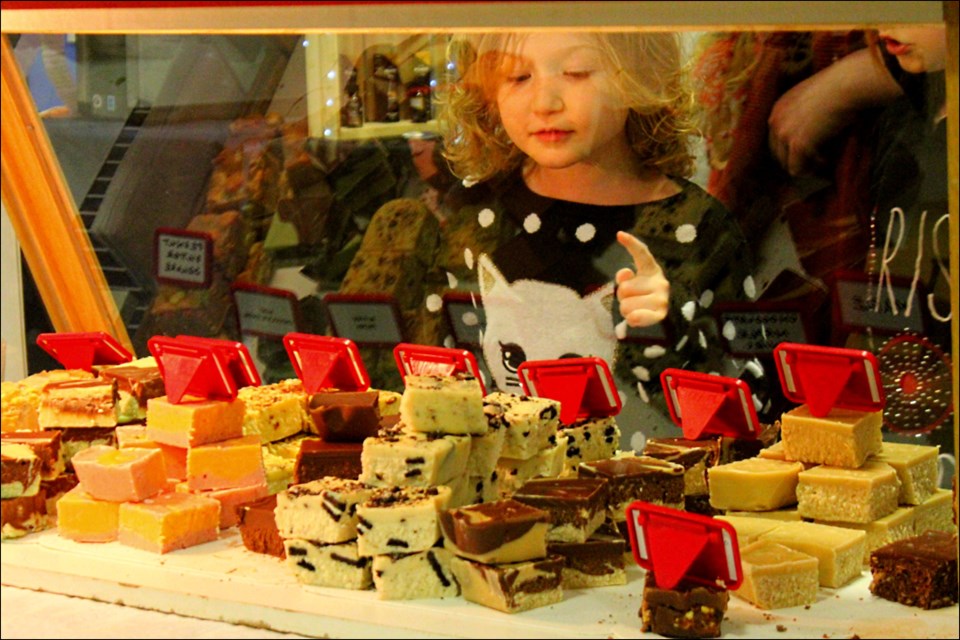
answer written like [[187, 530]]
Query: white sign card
[[266, 312], [182, 257], [367, 320]]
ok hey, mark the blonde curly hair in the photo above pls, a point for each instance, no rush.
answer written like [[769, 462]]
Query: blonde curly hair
[[649, 76]]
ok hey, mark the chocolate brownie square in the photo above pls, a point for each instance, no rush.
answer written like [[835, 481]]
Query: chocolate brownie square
[[920, 571]]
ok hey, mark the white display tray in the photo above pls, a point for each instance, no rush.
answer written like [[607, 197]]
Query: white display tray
[[222, 580]]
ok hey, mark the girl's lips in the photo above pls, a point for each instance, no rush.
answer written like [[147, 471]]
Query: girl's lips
[[552, 135], [895, 47]]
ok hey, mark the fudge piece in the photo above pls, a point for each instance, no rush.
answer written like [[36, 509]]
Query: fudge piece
[[19, 404], [230, 499], [24, 515], [785, 515], [120, 475], [696, 456], [258, 527], [425, 574], [546, 463], [596, 562], [577, 506], [405, 225], [46, 445], [73, 441], [83, 518], [403, 458], [839, 549], [389, 402], [733, 448], [637, 478], [775, 451], [280, 461], [848, 495], [194, 422], [236, 462], [776, 577], [19, 471], [510, 587], [496, 532], [317, 459], [687, 611], [920, 571], [324, 510], [486, 448], [530, 423], [587, 440], [79, 403], [57, 488], [843, 438], [892, 527], [754, 484], [749, 529], [916, 466], [386, 273], [328, 565], [174, 458], [482, 488], [400, 519], [936, 513], [344, 416], [274, 411], [137, 382], [169, 521], [443, 404]]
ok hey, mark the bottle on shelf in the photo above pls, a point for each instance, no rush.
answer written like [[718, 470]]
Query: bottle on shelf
[[351, 112], [418, 92]]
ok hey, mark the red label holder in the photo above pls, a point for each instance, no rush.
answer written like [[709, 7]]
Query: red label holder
[[193, 368], [83, 350], [325, 362], [583, 386], [419, 359], [678, 545], [829, 377], [703, 404], [235, 354]]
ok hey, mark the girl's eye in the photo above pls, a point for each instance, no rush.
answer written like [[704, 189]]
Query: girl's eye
[[578, 74], [518, 78]]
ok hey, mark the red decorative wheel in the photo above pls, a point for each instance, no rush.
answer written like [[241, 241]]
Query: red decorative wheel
[[916, 377]]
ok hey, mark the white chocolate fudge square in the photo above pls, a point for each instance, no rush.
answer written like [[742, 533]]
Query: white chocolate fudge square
[[401, 519], [414, 576], [753, 484], [443, 404], [328, 565], [848, 495], [546, 463], [775, 576], [916, 466], [589, 440], [839, 549], [399, 457], [842, 438], [323, 510], [531, 423], [486, 449]]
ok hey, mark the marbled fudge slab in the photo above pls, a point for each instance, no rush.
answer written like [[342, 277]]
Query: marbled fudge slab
[[637, 478], [137, 382], [401, 458], [754, 484], [510, 587], [531, 423], [46, 445], [121, 475], [696, 456], [73, 441], [843, 438], [916, 466], [598, 561], [324, 510], [400, 519], [776, 577], [546, 463], [328, 565], [19, 471], [443, 404], [588, 440], [839, 550], [413, 576], [194, 421], [496, 532], [79, 403], [848, 495], [274, 411], [23, 515], [83, 518], [169, 521], [577, 506]]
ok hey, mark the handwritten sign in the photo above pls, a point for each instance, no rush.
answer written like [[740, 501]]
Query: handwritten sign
[[756, 329], [182, 257], [861, 304], [371, 320], [265, 312], [466, 316]]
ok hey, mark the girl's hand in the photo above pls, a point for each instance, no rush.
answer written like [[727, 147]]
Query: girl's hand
[[644, 294]]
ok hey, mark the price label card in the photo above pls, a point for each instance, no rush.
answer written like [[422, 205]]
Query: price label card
[[466, 316], [371, 320], [183, 258], [888, 307], [264, 311], [755, 329]]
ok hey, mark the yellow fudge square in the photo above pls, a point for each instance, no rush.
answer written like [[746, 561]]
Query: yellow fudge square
[[194, 422], [842, 438], [83, 518], [848, 495], [784, 515], [916, 466], [169, 521], [839, 549], [274, 411], [748, 528], [892, 527], [776, 577], [753, 484], [228, 464], [935, 513]]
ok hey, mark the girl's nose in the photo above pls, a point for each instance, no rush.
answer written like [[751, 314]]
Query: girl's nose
[[547, 97]]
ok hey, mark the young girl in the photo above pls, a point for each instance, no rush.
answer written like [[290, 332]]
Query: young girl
[[574, 150]]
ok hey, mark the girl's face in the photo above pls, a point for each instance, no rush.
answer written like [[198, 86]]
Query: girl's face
[[558, 102], [918, 49]]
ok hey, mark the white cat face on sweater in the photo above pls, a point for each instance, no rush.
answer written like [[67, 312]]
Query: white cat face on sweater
[[534, 320]]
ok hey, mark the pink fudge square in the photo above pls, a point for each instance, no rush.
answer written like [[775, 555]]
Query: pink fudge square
[[120, 475]]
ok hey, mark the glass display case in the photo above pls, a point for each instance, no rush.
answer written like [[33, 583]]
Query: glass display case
[[248, 170]]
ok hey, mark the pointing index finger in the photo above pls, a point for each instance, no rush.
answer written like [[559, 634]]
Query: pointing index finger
[[646, 264]]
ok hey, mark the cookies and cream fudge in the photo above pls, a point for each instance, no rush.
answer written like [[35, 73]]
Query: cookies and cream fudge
[[400, 519], [79, 403], [546, 463], [344, 416], [637, 478], [754, 484], [776, 577], [531, 423], [169, 521], [688, 610], [510, 587], [19, 470], [916, 466], [587, 440], [46, 445], [274, 411], [486, 448], [497, 532], [324, 510], [848, 495], [413, 576], [839, 549], [83, 518], [237, 462], [195, 421], [443, 404], [328, 564], [842, 438], [577, 506], [920, 571], [258, 527], [399, 457]]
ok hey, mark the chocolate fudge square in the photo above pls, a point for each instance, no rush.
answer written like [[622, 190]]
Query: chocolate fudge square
[[637, 478], [258, 527], [317, 459], [920, 571], [345, 416], [687, 611], [577, 506]]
